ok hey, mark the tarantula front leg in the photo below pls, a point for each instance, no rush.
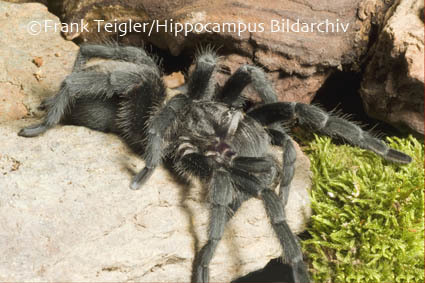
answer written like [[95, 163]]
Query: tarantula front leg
[[292, 250], [157, 129], [292, 254], [315, 118], [245, 75], [221, 198], [200, 85]]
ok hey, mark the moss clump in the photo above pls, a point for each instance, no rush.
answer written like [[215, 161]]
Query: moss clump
[[368, 223]]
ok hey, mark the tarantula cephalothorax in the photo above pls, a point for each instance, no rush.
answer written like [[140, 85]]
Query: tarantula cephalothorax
[[204, 131]]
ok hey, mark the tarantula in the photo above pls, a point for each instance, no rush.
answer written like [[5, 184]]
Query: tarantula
[[204, 131]]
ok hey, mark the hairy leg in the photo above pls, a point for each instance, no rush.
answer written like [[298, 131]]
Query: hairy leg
[[253, 164], [292, 254], [95, 85], [157, 128], [313, 117], [246, 74], [73, 86], [95, 114], [281, 138], [114, 52], [221, 198], [201, 85]]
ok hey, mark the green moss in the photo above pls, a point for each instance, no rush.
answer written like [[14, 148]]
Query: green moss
[[368, 223]]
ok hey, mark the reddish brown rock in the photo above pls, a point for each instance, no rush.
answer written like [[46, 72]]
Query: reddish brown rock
[[11, 106], [174, 80], [309, 57], [29, 69], [297, 89], [45, 2], [288, 88], [260, 29], [393, 84]]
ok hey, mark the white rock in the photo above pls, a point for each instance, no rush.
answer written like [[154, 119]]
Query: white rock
[[67, 214]]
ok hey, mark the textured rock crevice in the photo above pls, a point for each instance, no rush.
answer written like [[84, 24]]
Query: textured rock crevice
[[393, 84]]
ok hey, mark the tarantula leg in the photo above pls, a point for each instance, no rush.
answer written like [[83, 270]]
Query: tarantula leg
[[281, 138], [141, 178], [252, 164], [157, 129], [114, 52], [200, 85], [232, 89], [246, 182], [292, 250], [318, 120], [221, 198], [76, 85], [275, 210], [33, 130], [246, 74], [46, 103], [56, 110]]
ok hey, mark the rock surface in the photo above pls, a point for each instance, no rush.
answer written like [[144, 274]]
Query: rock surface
[[303, 56], [68, 214], [45, 2], [32, 66], [301, 61], [393, 84], [288, 88]]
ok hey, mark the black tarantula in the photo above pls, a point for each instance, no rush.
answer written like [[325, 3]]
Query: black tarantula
[[204, 131]]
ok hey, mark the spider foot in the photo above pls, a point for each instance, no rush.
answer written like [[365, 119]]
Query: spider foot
[[46, 103], [33, 131], [398, 156], [201, 274], [300, 273], [141, 178]]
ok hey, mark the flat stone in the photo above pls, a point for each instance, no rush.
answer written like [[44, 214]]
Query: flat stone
[[68, 214]]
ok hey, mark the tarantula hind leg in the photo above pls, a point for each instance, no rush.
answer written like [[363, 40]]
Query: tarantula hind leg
[[113, 52], [56, 107], [33, 130], [245, 75], [37, 129], [313, 117], [74, 86]]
